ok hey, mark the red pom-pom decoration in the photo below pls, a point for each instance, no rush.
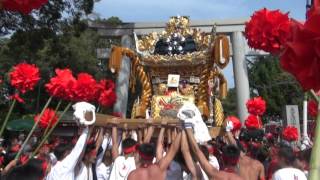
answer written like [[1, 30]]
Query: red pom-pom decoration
[[290, 133], [48, 118], [86, 88], [235, 121], [256, 106], [253, 122], [301, 56], [23, 6], [106, 95], [313, 108], [267, 30], [62, 85], [24, 77]]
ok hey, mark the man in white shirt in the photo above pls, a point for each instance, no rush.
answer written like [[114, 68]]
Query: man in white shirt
[[123, 164], [85, 168], [67, 160], [286, 161], [104, 160]]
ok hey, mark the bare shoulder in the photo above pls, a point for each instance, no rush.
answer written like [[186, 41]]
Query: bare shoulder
[[227, 176], [139, 173], [235, 177], [245, 160], [257, 163], [133, 174]]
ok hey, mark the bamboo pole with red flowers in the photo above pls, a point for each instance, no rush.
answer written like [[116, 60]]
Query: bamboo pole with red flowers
[[297, 44], [7, 117], [61, 86], [33, 128], [51, 119], [46, 136], [314, 172], [24, 77]]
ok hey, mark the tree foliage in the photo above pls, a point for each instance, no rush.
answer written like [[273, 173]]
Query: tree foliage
[[71, 45], [230, 103], [277, 87], [50, 16]]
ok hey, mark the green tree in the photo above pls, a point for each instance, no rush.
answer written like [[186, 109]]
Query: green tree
[[74, 48], [277, 87], [50, 16], [229, 104]]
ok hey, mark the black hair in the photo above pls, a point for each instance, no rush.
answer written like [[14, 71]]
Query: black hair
[[231, 152], [147, 149], [305, 155], [60, 150], [205, 151], [89, 148], [8, 158], [128, 142], [30, 171], [262, 154], [240, 146], [255, 135], [286, 152]]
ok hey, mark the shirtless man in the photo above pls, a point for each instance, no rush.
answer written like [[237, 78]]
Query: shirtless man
[[155, 171], [249, 168], [211, 172]]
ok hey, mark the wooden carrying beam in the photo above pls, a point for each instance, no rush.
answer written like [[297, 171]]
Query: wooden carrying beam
[[103, 120], [107, 120]]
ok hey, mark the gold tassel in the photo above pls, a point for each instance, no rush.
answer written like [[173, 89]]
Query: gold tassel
[[223, 86], [115, 59], [202, 95], [218, 112], [137, 71], [203, 108], [221, 56]]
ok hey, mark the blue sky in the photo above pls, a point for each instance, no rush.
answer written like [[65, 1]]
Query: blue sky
[[161, 10]]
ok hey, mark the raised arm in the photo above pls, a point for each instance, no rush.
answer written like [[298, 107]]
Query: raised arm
[[149, 134], [206, 166], [105, 142], [169, 138], [71, 160], [159, 150], [231, 139], [115, 146], [187, 156], [99, 138], [165, 161], [140, 138]]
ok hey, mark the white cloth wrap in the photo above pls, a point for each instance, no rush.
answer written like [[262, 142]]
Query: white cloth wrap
[[80, 109], [189, 113]]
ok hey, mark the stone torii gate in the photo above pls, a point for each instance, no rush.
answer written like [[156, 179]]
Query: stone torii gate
[[233, 28]]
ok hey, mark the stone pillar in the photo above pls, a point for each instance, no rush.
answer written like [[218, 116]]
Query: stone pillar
[[240, 74], [122, 84]]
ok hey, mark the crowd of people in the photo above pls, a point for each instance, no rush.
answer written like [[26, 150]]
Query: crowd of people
[[153, 152]]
